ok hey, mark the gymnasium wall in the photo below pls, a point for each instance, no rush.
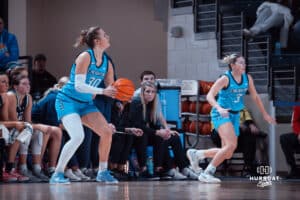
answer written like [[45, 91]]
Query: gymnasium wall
[[189, 58], [138, 42]]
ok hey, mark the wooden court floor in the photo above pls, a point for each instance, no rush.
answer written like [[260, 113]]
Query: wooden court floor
[[169, 190]]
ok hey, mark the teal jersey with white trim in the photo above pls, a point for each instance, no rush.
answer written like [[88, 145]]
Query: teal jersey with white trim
[[95, 75], [232, 97]]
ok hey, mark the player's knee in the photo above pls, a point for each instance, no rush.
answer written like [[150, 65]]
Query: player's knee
[[56, 133], [106, 132]]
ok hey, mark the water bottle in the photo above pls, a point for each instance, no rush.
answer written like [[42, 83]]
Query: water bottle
[[277, 50], [133, 165], [163, 104], [150, 165]]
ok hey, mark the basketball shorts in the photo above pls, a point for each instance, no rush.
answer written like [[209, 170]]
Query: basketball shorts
[[66, 105], [233, 118]]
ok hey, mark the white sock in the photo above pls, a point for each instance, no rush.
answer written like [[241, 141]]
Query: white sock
[[200, 154], [23, 167], [210, 169], [102, 166], [37, 168], [73, 125], [51, 169]]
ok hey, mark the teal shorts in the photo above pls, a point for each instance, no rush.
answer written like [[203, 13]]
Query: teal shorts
[[66, 105], [233, 118]]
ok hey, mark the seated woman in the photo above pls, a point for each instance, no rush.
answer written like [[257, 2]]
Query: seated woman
[[122, 141], [13, 133], [20, 104], [143, 115]]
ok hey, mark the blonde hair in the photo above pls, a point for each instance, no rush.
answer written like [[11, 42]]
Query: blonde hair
[[231, 59], [153, 104]]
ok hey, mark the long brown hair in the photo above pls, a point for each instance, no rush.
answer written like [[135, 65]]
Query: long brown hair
[[87, 37], [153, 104]]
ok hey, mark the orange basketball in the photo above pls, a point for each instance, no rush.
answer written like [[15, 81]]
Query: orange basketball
[[206, 128], [192, 107], [205, 86], [186, 125], [125, 89], [192, 128], [205, 108], [185, 106]]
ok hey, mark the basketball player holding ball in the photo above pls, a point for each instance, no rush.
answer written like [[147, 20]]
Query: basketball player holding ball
[[75, 107], [230, 88]]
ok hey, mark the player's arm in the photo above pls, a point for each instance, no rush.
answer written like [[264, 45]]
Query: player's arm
[[82, 63]]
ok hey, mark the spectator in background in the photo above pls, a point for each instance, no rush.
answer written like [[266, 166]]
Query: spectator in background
[[270, 15], [122, 143], [41, 78], [9, 49], [150, 76], [290, 144]]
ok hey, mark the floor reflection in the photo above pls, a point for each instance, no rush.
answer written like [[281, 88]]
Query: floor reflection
[[170, 190]]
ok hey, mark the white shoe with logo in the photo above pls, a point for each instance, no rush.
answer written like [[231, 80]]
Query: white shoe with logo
[[194, 160], [79, 174], [208, 178], [69, 174]]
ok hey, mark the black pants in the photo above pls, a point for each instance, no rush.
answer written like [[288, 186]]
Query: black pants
[[290, 145], [2, 148], [178, 151], [141, 143], [120, 148], [246, 145]]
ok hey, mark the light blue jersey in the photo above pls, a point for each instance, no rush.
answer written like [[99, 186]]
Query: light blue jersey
[[69, 100], [95, 75], [232, 98]]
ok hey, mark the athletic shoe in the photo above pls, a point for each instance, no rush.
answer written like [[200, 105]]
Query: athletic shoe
[[79, 174], [19, 176], [29, 174], [58, 178], [49, 173], [8, 177], [120, 175], [176, 175], [194, 160], [189, 173], [208, 178], [69, 174], [106, 177], [163, 175], [145, 175], [40, 175], [89, 172]]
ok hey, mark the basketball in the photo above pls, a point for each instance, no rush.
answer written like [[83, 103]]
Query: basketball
[[125, 89], [205, 86], [192, 107], [186, 125], [205, 108], [206, 128], [193, 124], [185, 106]]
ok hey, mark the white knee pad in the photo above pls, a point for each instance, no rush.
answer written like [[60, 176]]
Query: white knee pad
[[37, 142], [24, 136], [5, 133], [24, 147]]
